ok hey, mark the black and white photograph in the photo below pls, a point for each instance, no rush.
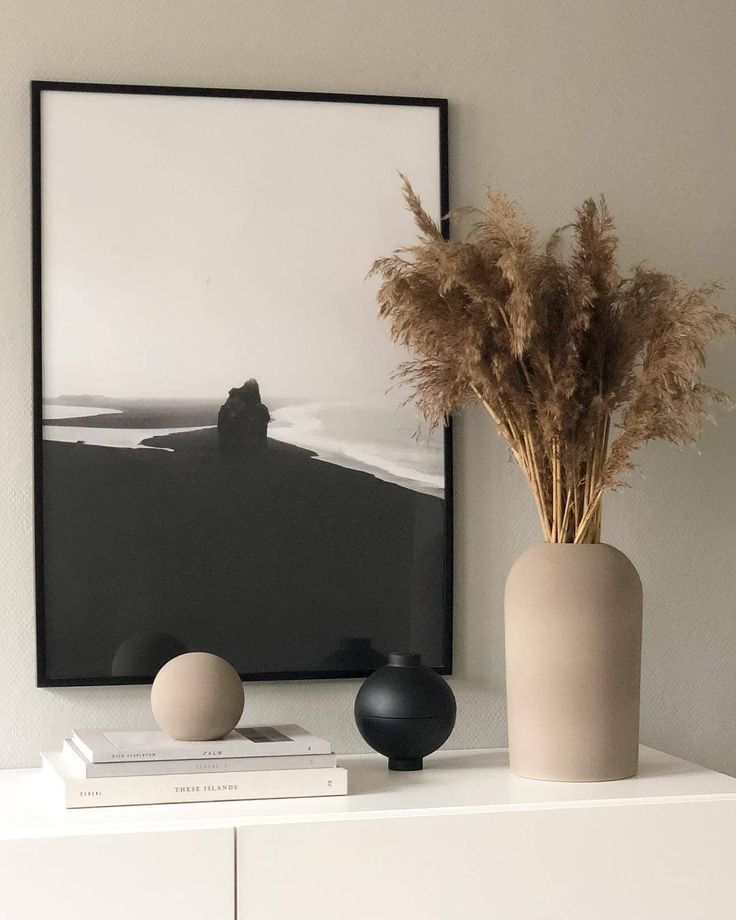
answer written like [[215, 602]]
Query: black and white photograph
[[227, 464]]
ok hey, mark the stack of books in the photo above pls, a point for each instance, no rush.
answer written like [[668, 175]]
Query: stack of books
[[148, 768]]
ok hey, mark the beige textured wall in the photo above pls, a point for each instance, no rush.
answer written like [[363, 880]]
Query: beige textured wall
[[551, 100]]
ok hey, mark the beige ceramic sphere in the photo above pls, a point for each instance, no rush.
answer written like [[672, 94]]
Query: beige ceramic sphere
[[197, 697]]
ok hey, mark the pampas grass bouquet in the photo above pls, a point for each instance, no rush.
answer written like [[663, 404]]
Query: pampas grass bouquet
[[577, 364]]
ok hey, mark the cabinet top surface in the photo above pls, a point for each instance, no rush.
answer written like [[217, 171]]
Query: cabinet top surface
[[451, 782]]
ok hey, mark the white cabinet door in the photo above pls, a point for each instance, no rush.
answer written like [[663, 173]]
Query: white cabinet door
[[156, 875], [638, 862]]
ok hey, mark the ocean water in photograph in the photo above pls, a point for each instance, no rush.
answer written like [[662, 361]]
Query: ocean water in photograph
[[379, 440], [383, 441]]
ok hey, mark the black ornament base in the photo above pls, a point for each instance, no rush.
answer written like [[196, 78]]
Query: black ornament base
[[405, 764]]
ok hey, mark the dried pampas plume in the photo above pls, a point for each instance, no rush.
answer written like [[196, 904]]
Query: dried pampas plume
[[577, 365]]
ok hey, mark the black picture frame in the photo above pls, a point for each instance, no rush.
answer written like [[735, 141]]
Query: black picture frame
[[38, 88]]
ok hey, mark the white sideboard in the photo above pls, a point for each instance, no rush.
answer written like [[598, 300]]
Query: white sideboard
[[461, 840]]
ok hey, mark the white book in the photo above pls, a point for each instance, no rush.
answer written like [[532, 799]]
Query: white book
[[253, 741], [82, 768], [190, 787]]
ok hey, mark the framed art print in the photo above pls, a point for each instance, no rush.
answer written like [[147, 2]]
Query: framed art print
[[223, 463]]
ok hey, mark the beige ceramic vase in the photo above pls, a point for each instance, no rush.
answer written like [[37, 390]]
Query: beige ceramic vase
[[573, 656]]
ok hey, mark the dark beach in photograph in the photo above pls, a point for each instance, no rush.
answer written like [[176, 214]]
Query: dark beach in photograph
[[277, 561]]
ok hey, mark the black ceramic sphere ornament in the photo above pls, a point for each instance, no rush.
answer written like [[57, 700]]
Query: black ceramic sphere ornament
[[405, 711]]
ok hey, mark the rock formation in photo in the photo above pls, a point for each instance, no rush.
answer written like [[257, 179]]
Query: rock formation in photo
[[242, 422]]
